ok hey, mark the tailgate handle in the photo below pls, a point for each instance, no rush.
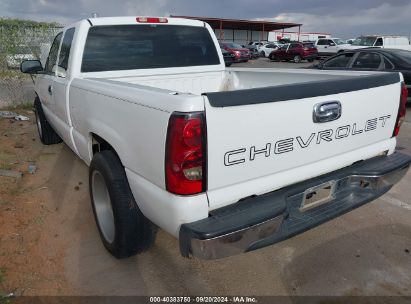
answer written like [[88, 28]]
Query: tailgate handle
[[327, 111]]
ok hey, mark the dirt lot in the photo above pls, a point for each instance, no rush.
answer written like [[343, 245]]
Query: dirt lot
[[49, 244]]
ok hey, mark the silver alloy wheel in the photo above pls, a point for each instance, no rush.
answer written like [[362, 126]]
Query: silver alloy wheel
[[102, 206], [297, 59], [39, 125]]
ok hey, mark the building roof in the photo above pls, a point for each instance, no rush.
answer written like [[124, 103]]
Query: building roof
[[239, 24]]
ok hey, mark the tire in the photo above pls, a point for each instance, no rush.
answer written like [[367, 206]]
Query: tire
[[123, 228], [272, 58], [46, 133], [262, 54], [297, 59]]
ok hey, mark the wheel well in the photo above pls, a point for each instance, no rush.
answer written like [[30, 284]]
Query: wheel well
[[98, 144]]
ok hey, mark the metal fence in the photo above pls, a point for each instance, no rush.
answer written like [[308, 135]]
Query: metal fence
[[18, 43]]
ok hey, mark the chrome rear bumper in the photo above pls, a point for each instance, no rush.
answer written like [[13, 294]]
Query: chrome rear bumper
[[264, 220]]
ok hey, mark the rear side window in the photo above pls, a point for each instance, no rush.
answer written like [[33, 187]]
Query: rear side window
[[367, 61], [379, 42], [388, 65], [127, 47], [65, 49], [322, 42], [52, 58], [339, 61]]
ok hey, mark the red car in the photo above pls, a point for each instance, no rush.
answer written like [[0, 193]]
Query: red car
[[296, 52], [241, 54]]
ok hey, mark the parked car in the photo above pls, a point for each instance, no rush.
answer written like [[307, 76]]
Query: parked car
[[266, 49], [295, 52], [257, 44], [350, 41], [241, 54], [392, 42], [253, 51], [229, 57], [330, 46], [372, 59], [21, 53], [226, 161]]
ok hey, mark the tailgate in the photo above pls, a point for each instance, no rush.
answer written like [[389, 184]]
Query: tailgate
[[263, 139]]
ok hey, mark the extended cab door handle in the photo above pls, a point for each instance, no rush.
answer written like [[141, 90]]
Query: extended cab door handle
[[50, 90]]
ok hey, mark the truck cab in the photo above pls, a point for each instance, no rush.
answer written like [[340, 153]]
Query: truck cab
[[330, 46]]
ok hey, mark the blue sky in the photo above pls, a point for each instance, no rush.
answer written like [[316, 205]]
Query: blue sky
[[346, 19]]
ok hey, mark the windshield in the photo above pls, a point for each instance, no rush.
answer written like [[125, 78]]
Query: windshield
[[365, 41], [233, 45], [339, 41], [404, 55]]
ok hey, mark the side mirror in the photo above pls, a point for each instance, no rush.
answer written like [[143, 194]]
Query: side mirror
[[332, 44], [31, 66]]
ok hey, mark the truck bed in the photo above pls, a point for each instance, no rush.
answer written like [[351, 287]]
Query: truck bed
[[235, 79]]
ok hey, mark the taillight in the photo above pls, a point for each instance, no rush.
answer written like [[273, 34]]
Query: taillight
[[151, 20], [185, 163], [402, 109]]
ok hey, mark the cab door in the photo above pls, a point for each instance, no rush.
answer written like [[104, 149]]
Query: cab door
[[60, 88], [321, 46], [331, 47], [44, 80]]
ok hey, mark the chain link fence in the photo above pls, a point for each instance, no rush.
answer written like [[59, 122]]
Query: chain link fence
[[21, 40]]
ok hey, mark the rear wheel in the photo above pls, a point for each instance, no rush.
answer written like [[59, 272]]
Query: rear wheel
[[46, 133], [262, 54], [297, 59], [124, 230]]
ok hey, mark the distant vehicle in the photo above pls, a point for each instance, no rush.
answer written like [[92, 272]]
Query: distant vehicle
[[372, 59], [22, 53], [257, 44], [295, 52], [253, 51], [229, 57], [295, 36], [266, 49], [241, 54], [330, 46], [393, 42], [351, 41]]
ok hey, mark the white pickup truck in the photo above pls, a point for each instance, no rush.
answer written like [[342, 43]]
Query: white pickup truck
[[392, 42], [225, 160]]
